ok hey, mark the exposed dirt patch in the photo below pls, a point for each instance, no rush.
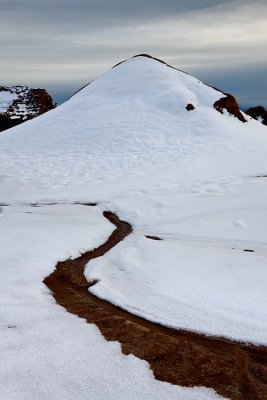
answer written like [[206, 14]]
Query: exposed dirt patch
[[153, 237], [249, 250], [74, 269], [234, 370], [54, 203]]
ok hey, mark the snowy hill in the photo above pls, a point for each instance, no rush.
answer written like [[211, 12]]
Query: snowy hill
[[20, 103], [195, 179]]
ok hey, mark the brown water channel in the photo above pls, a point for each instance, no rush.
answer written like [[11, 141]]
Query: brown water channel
[[235, 370]]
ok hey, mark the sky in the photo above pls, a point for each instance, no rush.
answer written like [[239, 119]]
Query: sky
[[61, 45]]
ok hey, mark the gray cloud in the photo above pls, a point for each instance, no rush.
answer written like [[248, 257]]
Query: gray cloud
[[68, 10], [63, 44], [248, 84]]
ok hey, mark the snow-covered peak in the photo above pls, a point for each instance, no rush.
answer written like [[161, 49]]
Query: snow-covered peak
[[153, 81], [158, 84], [137, 114]]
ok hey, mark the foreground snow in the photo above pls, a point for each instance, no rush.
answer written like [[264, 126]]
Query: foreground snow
[[47, 353], [198, 277], [127, 142]]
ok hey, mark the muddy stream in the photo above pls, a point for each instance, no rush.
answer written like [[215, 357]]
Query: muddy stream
[[235, 370]]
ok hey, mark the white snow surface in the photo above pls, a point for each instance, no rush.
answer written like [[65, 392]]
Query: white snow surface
[[195, 179], [9, 94], [6, 99], [47, 353]]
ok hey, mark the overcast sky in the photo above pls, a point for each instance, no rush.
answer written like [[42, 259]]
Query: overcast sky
[[63, 44]]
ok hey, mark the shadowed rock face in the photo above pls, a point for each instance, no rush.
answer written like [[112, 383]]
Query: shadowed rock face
[[230, 104], [20, 103], [6, 122], [259, 113]]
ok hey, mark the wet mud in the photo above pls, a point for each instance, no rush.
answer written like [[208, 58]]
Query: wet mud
[[235, 370]]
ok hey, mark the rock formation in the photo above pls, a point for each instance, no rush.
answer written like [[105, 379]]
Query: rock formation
[[20, 103], [231, 105], [190, 107], [259, 113]]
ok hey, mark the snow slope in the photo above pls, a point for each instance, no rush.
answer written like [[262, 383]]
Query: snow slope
[[127, 142]]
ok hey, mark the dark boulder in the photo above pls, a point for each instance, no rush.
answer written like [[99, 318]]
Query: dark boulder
[[190, 107]]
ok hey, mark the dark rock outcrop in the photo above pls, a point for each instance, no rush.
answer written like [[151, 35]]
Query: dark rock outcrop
[[20, 103], [259, 113], [190, 107], [230, 104]]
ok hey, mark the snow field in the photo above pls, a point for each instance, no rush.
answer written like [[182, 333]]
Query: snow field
[[127, 142], [47, 353]]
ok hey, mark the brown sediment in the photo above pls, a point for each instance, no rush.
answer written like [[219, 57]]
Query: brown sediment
[[152, 237], [54, 203], [235, 370], [74, 269]]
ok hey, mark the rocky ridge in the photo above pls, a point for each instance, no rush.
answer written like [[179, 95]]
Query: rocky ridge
[[21, 103], [259, 113]]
